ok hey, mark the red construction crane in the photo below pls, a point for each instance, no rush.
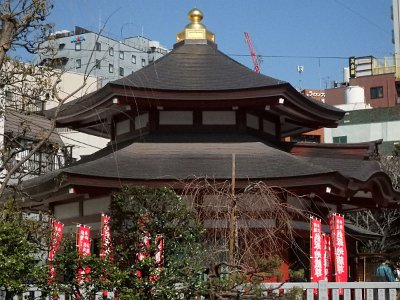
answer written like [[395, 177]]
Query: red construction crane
[[253, 53]]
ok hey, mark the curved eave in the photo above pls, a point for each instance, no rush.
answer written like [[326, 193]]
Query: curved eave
[[343, 190], [380, 186], [297, 109]]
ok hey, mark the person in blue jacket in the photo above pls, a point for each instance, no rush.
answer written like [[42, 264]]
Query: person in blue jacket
[[385, 272]]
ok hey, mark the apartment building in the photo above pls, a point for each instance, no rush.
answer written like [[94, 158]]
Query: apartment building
[[88, 52]]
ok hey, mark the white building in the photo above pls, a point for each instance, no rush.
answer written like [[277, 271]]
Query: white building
[[87, 52], [368, 125]]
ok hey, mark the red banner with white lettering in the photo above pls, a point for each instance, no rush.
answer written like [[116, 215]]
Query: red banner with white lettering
[[158, 257], [327, 257], [83, 248], [317, 251], [55, 241], [144, 240], [336, 224], [105, 248]]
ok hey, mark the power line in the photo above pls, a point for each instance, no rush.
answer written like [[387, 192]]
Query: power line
[[361, 16]]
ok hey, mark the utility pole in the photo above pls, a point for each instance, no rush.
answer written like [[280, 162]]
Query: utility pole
[[233, 216]]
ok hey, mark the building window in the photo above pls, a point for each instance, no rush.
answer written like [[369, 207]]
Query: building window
[[376, 92], [98, 46], [8, 96], [78, 63], [134, 59], [121, 55], [78, 46], [340, 139], [307, 138], [111, 68], [121, 71], [111, 51], [97, 63], [143, 62]]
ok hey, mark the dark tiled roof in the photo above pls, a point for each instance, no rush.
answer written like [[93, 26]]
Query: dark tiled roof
[[31, 127], [187, 160], [353, 168], [196, 67]]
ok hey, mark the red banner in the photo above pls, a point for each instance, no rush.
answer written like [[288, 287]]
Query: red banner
[[336, 224], [317, 251], [327, 257], [105, 249], [158, 257], [55, 241], [83, 248]]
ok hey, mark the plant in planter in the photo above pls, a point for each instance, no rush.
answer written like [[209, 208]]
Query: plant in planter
[[269, 267]]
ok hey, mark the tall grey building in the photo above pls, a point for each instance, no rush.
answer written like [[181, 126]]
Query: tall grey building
[[84, 51]]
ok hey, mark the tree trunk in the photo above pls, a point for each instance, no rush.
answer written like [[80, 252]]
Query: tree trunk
[[6, 35]]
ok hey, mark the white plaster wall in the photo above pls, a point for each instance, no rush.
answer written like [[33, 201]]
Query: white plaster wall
[[388, 131], [123, 126], [84, 144], [176, 118], [70, 82], [141, 120], [66, 210], [219, 117], [252, 121], [269, 127], [96, 206]]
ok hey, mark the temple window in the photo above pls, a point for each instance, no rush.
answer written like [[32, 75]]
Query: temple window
[[252, 121], [95, 206], [122, 127], [66, 210], [176, 118], [141, 121], [269, 127], [219, 117]]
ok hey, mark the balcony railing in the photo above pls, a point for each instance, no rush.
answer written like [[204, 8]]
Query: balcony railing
[[41, 163]]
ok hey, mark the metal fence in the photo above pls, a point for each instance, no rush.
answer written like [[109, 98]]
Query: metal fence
[[322, 290], [332, 290]]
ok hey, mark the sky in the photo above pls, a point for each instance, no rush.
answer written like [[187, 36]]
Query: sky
[[319, 35]]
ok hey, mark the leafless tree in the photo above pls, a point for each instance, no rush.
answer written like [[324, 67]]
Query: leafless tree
[[24, 86], [23, 24], [385, 222], [264, 219]]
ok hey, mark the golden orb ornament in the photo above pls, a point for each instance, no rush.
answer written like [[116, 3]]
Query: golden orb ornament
[[195, 15], [195, 30]]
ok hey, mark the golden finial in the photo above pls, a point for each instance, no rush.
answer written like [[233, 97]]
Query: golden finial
[[195, 15], [195, 30]]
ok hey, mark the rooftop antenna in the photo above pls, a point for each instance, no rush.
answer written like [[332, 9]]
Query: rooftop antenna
[[300, 70]]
